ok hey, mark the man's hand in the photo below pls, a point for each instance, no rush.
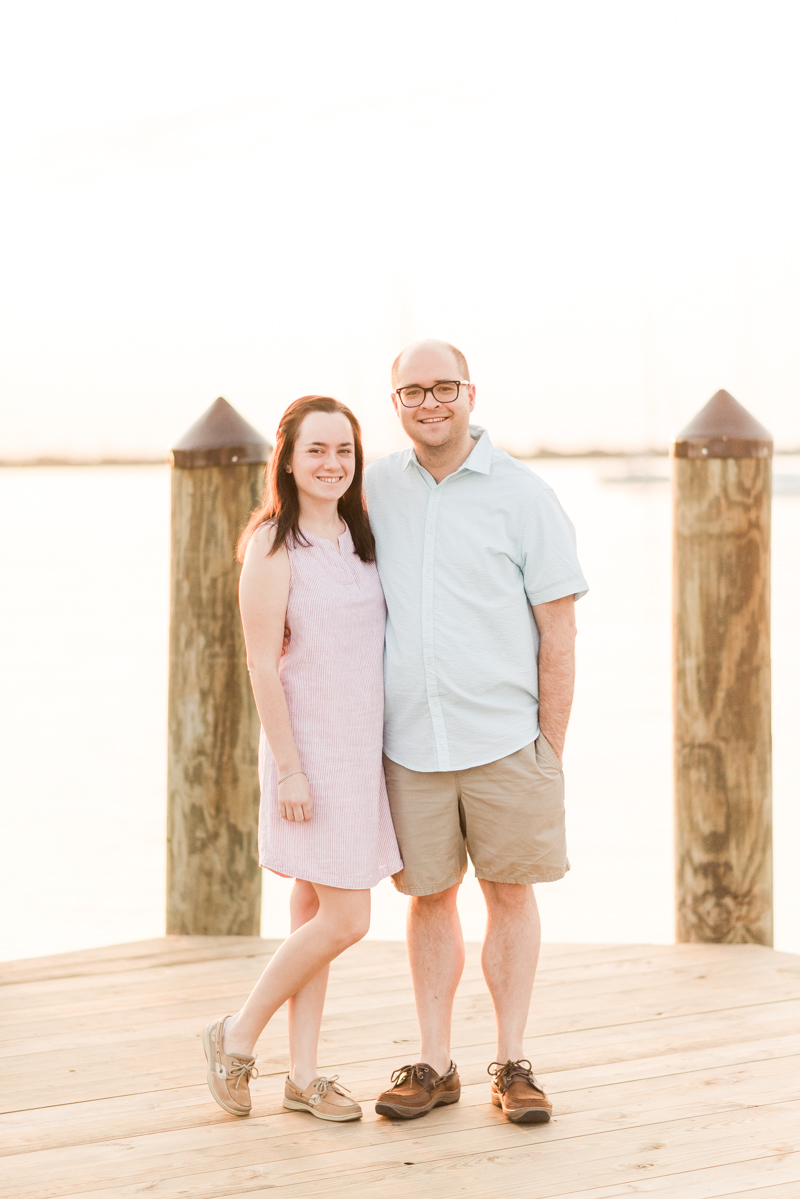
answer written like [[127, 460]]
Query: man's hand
[[556, 624]]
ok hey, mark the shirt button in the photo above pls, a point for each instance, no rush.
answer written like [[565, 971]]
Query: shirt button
[[434, 703], [427, 574], [429, 532], [428, 661]]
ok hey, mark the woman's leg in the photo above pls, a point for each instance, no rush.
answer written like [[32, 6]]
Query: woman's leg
[[341, 919], [305, 1008]]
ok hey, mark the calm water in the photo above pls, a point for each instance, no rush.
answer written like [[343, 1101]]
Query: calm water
[[83, 659]]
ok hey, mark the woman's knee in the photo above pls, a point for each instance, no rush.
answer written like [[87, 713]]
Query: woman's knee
[[304, 903], [349, 921], [360, 926]]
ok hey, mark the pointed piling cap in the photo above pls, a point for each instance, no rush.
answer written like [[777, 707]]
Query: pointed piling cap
[[723, 429], [221, 437]]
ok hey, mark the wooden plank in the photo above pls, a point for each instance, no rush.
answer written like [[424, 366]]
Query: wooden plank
[[177, 1061], [473, 1020], [184, 1016], [581, 1113], [128, 985], [469, 1159], [764, 1178], [344, 988], [186, 1107], [166, 951], [177, 1033], [622, 1076], [135, 955], [778, 981], [189, 984]]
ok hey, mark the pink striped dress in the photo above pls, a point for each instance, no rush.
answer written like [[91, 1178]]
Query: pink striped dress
[[332, 676]]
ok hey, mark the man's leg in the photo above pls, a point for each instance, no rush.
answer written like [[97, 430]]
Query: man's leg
[[436, 955], [509, 958]]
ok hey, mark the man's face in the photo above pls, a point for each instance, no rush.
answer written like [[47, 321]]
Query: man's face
[[433, 424]]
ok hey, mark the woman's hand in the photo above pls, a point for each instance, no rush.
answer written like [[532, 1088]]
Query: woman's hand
[[294, 799]]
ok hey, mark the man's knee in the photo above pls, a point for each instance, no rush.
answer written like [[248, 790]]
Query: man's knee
[[509, 896], [438, 902]]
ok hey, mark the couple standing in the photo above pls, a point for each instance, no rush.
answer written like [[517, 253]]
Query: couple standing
[[456, 593]]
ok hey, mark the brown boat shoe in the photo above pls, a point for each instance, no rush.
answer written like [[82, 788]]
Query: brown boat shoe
[[517, 1092], [325, 1098], [416, 1090], [228, 1074]]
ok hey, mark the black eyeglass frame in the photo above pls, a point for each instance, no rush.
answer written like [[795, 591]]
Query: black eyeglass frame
[[458, 382]]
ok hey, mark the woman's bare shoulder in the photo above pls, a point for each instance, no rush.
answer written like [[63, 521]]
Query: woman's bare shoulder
[[259, 548]]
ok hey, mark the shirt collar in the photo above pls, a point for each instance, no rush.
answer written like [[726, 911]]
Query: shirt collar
[[479, 460]]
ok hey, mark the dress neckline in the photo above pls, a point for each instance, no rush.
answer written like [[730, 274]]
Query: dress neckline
[[326, 540]]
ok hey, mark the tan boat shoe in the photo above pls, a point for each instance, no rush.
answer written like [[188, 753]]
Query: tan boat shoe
[[324, 1098], [417, 1090], [228, 1074], [517, 1092]]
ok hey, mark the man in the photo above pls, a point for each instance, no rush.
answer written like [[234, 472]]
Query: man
[[478, 564]]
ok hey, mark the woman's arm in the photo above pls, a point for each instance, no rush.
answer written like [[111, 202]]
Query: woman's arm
[[263, 598]]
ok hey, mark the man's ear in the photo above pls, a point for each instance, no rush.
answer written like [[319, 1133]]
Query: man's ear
[[472, 393], [393, 398]]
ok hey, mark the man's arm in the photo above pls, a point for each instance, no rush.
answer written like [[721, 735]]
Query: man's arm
[[556, 624]]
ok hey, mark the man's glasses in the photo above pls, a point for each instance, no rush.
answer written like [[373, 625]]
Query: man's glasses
[[445, 392]]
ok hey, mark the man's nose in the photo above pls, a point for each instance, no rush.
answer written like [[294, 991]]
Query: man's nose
[[430, 401]]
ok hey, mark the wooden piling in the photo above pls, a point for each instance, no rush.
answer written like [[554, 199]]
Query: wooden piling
[[723, 748], [213, 877]]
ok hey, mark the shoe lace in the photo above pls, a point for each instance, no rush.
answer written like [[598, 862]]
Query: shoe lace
[[504, 1073], [242, 1069], [420, 1071], [417, 1071], [323, 1085]]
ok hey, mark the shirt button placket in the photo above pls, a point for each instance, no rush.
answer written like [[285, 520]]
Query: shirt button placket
[[428, 632]]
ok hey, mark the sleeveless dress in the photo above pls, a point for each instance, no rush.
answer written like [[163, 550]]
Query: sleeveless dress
[[332, 676]]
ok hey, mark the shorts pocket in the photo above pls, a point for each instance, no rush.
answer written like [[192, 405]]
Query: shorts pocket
[[545, 750]]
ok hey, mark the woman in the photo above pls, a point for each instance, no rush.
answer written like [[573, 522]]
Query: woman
[[309, 564]]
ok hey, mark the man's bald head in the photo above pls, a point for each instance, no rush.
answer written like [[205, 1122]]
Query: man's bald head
[[421, 347]]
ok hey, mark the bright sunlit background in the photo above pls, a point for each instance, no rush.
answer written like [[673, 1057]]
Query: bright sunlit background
[[597, 200]]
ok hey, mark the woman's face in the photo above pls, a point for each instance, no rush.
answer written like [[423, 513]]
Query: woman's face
[[324, 459]]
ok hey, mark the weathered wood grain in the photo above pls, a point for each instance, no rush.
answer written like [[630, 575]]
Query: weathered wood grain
[[722, 700], [643, 1100], [213, 876]]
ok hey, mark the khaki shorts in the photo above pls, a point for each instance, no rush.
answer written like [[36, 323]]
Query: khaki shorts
[[507, 815]]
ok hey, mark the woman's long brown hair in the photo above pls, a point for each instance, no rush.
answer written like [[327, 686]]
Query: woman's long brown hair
[[281, 503]]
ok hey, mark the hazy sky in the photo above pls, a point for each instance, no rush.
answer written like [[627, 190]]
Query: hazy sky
[[598, 202]]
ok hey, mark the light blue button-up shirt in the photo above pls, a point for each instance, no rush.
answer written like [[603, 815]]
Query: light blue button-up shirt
[[461, 563]]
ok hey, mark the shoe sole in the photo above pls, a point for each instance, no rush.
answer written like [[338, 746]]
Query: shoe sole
[[210, 1075], [524, 1115], [294, 1106], [404, 1113]]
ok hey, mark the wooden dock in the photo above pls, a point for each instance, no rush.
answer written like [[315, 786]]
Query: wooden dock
[[674, 1071]]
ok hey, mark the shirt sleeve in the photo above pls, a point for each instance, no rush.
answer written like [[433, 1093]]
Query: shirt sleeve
[[548, 555]]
